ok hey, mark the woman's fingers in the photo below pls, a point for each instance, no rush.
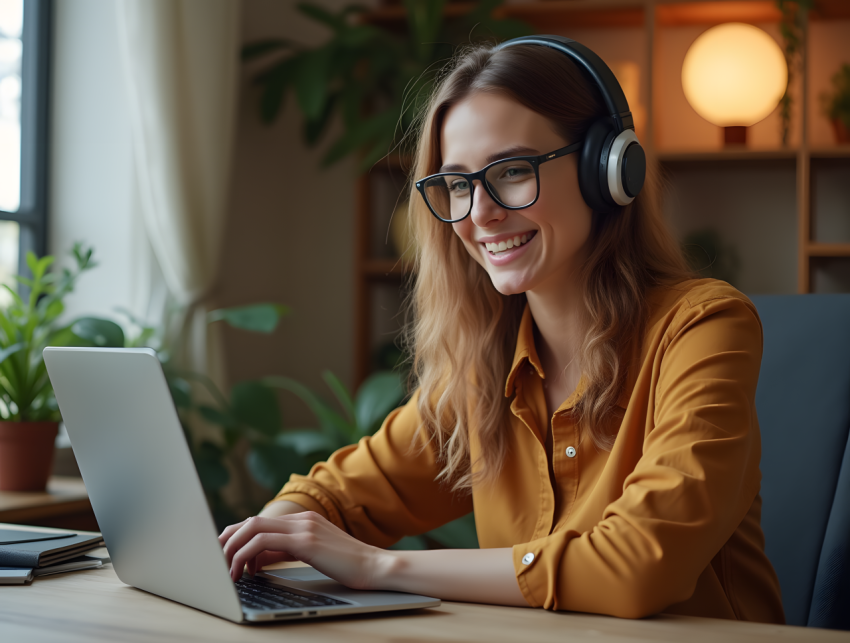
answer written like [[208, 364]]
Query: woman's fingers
[[225, 535], [260, 543]]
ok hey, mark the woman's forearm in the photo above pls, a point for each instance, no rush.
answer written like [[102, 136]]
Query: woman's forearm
[[469, 575]]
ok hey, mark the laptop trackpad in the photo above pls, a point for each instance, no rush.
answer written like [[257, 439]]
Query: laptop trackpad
[[297, 573]]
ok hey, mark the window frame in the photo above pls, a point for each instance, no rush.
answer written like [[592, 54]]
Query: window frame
[[31, 216]]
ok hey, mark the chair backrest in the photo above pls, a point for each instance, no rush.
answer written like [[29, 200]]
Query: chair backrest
[[803, 405]]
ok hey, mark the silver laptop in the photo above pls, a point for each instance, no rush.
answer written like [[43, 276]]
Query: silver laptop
[[150, 506]]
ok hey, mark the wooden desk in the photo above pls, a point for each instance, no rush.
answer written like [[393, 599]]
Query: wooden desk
[[93, 605], [65, 504]]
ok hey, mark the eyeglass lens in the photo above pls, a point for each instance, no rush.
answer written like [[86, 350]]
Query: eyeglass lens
[[512, 183]]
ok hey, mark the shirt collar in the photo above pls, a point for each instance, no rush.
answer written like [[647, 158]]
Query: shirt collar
[[527, 352]]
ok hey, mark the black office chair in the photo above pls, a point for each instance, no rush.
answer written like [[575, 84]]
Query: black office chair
[[803, 404]]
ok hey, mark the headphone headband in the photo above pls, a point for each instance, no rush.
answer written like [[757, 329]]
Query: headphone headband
[[592, 65]]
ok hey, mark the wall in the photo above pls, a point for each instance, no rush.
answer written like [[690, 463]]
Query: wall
[[290, 233]]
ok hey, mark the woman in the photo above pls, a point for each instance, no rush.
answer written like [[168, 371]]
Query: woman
[[574, 384]]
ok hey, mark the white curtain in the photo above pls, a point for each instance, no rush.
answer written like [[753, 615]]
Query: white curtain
[[180, 61]]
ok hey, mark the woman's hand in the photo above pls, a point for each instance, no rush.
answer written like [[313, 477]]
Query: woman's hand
[[305, 536]]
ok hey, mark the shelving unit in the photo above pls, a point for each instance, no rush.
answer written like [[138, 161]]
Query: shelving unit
[[773, 218]]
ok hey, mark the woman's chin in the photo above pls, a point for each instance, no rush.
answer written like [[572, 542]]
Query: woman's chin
[[507, 284]]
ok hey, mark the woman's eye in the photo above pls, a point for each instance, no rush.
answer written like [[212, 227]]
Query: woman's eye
[[459, 186], [516, 172]]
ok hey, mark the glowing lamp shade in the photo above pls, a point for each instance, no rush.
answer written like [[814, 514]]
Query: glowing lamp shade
[[734, 75]]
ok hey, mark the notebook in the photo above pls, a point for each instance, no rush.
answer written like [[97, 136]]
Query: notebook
[[34, 549]]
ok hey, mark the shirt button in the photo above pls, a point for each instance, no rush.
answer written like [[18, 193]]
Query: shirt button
[[571, 452], [526, 560]]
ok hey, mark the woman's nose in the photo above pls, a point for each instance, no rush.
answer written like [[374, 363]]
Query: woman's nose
[[485, 211]]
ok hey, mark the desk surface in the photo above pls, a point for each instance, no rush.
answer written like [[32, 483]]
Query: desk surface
[[93, 605]]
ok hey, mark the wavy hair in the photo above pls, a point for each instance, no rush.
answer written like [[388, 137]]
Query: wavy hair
[[463, 332]]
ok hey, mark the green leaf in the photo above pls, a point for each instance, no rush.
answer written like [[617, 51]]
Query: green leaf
[[10, 350], [311, 81], [378, 126], [319, 14], [330, 421], [376, 397], [215, 416], [181, 392], [256, 405], [275, 82], [99, 332], [260, 318], [304, 441], [458, 534], [341, 394], [260, 48], [271, 465], [211, 470]]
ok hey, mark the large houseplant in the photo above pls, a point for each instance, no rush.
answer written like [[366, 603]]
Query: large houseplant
[[372, 76], [29, 416]]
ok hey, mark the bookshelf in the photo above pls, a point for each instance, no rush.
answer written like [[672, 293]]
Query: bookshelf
[[786, 209]]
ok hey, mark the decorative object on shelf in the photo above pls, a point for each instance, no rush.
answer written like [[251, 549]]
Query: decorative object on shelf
[[29, 415], [708, 255], [792, 27], [372, 76], [734, 75], [835, 105]]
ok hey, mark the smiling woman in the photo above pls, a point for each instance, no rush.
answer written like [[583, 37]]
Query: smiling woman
[[574, 384]]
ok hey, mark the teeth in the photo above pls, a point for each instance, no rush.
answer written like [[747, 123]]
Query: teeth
[[507, 244]]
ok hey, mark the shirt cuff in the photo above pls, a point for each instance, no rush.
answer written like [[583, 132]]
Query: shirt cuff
[[530, 572]]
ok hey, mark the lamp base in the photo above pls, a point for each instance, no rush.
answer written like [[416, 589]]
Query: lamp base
[[735, 135]]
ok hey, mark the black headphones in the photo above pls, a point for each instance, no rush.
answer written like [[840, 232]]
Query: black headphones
[[612, 164]]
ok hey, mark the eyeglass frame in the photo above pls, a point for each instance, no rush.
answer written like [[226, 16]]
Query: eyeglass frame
[[534, 161]]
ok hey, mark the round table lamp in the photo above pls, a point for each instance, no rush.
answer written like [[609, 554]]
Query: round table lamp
[[734, 75]]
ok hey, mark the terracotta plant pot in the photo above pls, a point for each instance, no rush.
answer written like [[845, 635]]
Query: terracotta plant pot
[[842, 134], [26, 455]]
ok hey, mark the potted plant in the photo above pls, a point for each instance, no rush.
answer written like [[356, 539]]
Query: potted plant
[[29, 416], [836, 104]]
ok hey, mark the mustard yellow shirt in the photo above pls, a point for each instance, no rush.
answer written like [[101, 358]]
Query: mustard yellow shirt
[[667, 521]]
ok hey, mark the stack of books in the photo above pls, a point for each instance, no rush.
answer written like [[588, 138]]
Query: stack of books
[[27, 554]]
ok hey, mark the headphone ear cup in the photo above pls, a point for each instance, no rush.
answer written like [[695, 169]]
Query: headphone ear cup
[[593, 166]]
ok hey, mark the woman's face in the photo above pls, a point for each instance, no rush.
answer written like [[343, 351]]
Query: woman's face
[[485, 127]]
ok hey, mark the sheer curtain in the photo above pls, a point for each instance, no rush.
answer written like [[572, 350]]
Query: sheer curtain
[[179, 60]]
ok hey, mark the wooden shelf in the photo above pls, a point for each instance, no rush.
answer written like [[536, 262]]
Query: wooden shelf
[[384, 268], [815, 249], [714, 13], [836, 152], [726, 155], [545, 17]]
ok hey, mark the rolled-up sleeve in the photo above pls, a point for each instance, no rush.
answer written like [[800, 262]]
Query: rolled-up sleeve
[[694, 482], [383, 488]]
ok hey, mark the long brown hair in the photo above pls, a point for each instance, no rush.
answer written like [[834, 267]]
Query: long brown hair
[[464, 332]]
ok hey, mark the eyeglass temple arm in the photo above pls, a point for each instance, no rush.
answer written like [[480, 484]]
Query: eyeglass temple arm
[[569, 149]]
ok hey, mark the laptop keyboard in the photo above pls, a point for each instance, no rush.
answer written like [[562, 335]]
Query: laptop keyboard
[[262, 595]]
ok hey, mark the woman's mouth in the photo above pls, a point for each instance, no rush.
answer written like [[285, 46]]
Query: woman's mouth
[[508, 244]]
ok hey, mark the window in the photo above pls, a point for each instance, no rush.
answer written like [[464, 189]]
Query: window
[[24, 53]]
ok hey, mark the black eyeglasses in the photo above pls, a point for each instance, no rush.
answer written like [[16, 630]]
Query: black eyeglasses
[[513, 183]]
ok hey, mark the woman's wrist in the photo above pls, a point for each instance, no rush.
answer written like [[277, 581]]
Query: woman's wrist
[[386, 571]]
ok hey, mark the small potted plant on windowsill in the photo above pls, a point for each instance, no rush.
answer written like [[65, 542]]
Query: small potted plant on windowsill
[[836, 104], [29, 416]]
